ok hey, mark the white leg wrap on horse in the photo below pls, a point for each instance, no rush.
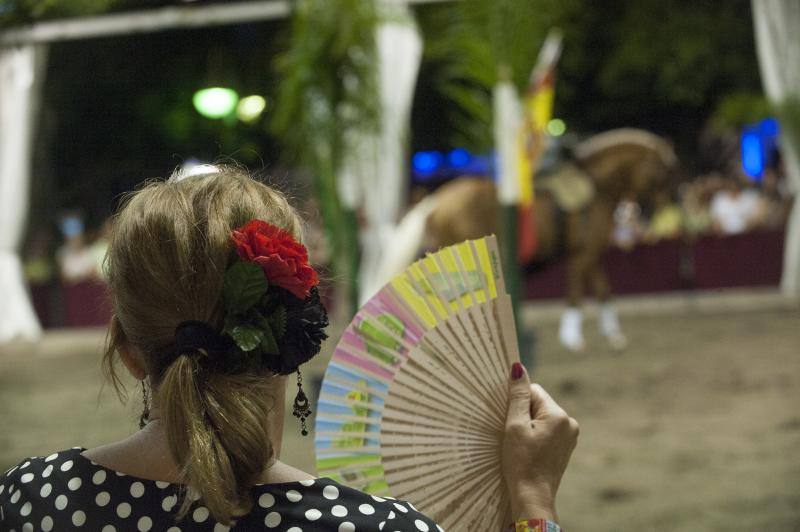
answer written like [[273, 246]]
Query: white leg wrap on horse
[[570, 332], [608, 321]]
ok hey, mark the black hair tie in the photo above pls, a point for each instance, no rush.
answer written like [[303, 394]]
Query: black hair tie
[[197, 337], [200, 336]]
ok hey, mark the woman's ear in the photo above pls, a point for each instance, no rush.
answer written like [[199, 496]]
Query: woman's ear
[[133, 361]]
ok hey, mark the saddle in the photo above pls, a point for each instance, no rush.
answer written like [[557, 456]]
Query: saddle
[[571, 187]]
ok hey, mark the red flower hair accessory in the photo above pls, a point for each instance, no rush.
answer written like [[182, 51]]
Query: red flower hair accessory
[[272, 307], [283, 259]]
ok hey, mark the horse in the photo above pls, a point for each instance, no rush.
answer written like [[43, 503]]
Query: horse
[[616, 165]]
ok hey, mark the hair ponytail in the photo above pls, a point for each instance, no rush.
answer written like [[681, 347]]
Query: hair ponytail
[[169, 246], [216, 432]]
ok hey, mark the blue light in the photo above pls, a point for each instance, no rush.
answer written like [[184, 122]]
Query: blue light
[[752, 153], [458, 158], [768, 127], [426, 161]]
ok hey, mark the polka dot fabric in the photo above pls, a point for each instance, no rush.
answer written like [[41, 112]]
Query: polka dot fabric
[[65, 491]]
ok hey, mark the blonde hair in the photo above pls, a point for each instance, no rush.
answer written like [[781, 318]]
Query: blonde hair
[[169, 248]]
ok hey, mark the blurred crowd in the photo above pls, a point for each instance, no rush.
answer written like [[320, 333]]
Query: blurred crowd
[[711, 204], [73, 257]]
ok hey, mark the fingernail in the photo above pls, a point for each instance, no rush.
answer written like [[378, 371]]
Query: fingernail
[[516, 370]]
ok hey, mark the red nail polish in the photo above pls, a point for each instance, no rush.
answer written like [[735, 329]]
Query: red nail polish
[[516, 370]]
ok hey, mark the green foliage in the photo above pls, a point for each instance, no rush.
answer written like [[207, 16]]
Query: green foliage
[[739, 108], [328, 80], [277, 321], [27, 11], [247, 336], [788, 113], [466, 44], [243, 286], [659, 64], [328, 87], [245, 294]]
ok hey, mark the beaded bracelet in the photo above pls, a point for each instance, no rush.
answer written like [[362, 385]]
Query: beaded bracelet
[[533, 525]]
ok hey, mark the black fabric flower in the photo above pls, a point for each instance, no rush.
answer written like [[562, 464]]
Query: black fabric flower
[[306, 320]]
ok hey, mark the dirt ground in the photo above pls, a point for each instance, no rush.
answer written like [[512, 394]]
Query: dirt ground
[[695, 427]]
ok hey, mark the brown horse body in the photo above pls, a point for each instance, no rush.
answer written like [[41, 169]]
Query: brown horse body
[[622, 164]]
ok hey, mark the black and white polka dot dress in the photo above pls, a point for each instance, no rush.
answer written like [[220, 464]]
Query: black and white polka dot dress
[[66, 491]]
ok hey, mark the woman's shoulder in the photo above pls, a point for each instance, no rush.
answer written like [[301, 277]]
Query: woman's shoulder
[[32, 467], [334, 506], [66, 486]]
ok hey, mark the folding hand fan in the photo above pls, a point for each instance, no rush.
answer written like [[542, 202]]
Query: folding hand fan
[[413, 403]]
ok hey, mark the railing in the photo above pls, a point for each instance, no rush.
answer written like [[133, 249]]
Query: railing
[[750, 259]]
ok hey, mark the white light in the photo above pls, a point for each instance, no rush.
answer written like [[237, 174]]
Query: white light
[[194, 167], [215, 102], [556, 127], [250, 108]]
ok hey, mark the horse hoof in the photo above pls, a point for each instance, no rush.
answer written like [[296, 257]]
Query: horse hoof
[[618, 342], [574, 346]]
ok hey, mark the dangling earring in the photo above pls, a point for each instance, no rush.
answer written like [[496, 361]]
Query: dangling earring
[[301, 407], [146, 410]]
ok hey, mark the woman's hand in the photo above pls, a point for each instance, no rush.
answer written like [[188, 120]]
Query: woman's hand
[[539, 439]]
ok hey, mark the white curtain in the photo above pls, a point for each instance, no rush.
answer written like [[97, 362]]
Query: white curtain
[[375, 171], [777, 29], [20, 79], [507, 123]]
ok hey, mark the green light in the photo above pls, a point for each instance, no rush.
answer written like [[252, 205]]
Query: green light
[[215, 102], [556, 127], [250, 108]]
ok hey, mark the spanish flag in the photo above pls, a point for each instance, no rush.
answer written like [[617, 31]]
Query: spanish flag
[[538, 110]]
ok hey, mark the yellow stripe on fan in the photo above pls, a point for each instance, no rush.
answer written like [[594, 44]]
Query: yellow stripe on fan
[[406, 292], [490, 272]]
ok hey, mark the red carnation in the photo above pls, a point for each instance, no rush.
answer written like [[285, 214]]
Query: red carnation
[[283, 259]]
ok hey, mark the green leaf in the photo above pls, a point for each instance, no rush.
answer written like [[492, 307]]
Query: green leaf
[[268, 343], [277, 321], [247, 337], [243, 286]]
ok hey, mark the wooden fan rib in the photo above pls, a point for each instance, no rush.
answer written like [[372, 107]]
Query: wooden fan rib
[[497, 376], [393, 439], [354, 451], [354, 358], [390, 425], [346, 401], [478, 510], [475, 410], [465, 318], [402, 416], [354, 386], [505, 318], [434, 479], [348, 418], [399, 464], [489, 390], [422, 401], [442, 495], [468, 507], [393, 452], [399, 439], [456, 365], [455, 336], [357, 352], [356, 468]]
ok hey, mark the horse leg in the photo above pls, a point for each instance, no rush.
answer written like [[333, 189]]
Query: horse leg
[[570, 329], [608, 321]]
